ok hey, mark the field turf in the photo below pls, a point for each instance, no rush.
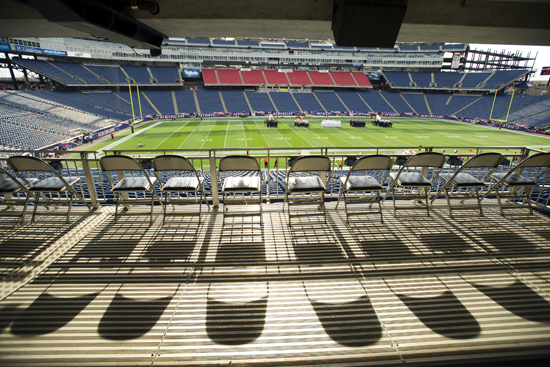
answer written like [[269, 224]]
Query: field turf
[[250, 133]]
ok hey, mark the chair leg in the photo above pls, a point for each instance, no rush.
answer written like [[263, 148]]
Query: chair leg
[[448, 195], [152, 208], [69, 210], [394, 208], [528, 191], [116, 205], [427, 203], [479, 202], [379, 206], [166, 199], [499, 202], [323, 206], [27, 197], [35, 208], [345, 206]]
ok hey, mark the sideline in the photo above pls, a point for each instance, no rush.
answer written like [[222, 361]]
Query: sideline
[[113, 145]]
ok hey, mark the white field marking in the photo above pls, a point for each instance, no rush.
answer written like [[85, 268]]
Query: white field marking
[[191, 133], [225, 138], [113, 145], [295, 130], [244, 135], [355, 137], [452, 136], [282, 137], [206, 137], [260, 130], [182, 126]]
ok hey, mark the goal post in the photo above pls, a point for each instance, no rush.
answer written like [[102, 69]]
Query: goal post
[[507, 113]]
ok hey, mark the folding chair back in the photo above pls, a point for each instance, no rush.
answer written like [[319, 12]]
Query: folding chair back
[[490, 160], [428, 159], [119, 163], [175, 184], [467, 181], [125, 185], [172, 163], [372, 162], [241, 189], [365, 189], [408, 178], [239, 163], [518, 183], [310, 189], [52, 182], [311, 163], [11, 187]]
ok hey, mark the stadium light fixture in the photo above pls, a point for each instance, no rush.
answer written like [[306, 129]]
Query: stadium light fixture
[[101, 20], [367, 23]]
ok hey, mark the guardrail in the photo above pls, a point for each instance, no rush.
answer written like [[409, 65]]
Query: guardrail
[[275, 161]]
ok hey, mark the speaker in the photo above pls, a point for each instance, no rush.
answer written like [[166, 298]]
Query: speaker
[[367, 23]]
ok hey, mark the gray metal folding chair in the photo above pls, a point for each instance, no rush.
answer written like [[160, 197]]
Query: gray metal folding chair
[[360, 187], [468, 180], [179, 177], [306, 185], [11, 187], [241, 185], [126, 189], [50, 182], [518, 183], [411, 181]]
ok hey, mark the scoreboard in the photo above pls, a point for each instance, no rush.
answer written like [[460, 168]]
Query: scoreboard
[[545, 70]]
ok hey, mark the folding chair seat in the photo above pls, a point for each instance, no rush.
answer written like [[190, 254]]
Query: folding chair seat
[[411, 179], [358, 188], [181, 177], [126, 189], [52, 182], [11, 187], [518, 183], [467, 181], [242, 184], [302, 189]]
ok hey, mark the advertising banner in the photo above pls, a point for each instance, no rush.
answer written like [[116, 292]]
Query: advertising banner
[[191, 73], [79, 54], [36, 50], [5, 46]]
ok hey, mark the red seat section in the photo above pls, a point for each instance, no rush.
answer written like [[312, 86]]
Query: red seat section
[[275, 78], [253, 77], [321, 78], [362, 79], [299, 77], [343, 78], [229, 77], [209, 77]]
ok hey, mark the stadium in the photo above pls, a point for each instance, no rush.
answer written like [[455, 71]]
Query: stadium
[[244, 200]]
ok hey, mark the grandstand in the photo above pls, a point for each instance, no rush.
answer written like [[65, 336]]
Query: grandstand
[[412, 289]]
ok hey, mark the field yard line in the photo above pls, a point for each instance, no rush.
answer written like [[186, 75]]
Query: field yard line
[[171, 135], [359, 133], [206, 137], [308, 140], [244, 134], [226, 130], [269, 146], [110, 146], [191, 133], [284, 137]]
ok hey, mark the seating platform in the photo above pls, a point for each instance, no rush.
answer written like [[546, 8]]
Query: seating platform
[[425, 291]]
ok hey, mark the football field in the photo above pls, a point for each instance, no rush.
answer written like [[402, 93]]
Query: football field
[[250, 133]]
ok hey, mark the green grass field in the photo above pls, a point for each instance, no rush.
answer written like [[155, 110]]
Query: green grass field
[[250, 133]]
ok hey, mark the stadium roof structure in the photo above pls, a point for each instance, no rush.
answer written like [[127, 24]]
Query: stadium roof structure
[[350, 22]]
